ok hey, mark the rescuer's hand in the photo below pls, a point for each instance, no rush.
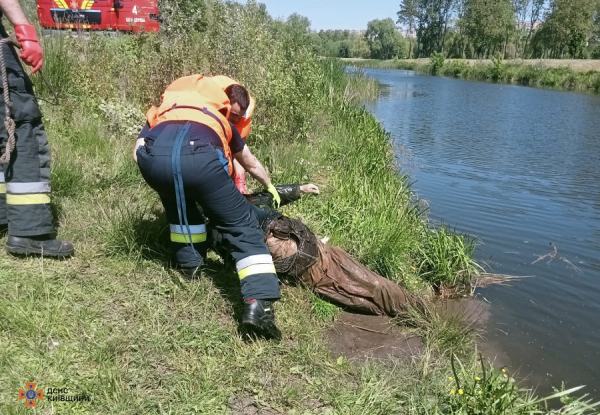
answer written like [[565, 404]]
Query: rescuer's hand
[[271, 189], [240, 183], [31, 52]]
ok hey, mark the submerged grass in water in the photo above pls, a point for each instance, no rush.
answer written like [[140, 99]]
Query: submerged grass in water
[[447, 260]]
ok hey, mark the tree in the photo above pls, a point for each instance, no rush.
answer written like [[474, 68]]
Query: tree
[[521, 8], [359, 47], [432, 19], [568, 27], [537, 7], [299, 23], [407, 16], [180, 16], [489, 24], [384, 40]]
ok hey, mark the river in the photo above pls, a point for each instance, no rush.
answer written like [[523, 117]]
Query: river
[[519, 169]]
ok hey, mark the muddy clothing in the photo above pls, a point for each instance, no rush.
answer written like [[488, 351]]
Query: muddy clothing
[[328, 270], [25, 181]]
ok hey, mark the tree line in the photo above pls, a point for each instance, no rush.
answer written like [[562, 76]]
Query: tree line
[[474, 29]]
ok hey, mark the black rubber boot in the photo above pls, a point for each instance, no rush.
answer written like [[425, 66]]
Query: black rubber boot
[[43, 245], [259, 320]]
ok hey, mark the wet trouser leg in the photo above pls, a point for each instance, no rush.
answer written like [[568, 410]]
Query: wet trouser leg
[[207, 182], [25, 182]]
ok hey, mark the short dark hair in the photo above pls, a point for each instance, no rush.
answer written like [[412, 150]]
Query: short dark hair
[[239, 94]]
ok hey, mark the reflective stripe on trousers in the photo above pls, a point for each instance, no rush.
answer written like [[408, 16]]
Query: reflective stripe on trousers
[[179, 233], [255, 264], [33, 193]]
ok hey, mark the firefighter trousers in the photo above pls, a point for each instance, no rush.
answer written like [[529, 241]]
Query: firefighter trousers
[[206, 182], [25, 181]]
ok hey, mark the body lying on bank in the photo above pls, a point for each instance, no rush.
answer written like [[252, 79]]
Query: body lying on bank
[[329, 271]]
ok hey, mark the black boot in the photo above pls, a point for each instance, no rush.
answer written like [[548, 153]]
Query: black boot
[[44, 245], [259, 319]]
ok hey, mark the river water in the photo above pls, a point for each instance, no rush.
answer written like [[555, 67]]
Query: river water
[[518, 168]]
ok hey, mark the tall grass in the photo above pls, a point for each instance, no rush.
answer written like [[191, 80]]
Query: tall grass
[[446, 260]]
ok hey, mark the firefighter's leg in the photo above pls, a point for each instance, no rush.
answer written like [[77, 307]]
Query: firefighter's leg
[[27, 176], [229, 212], [155, 164], [3, 217], [189, 253], [28, 184]]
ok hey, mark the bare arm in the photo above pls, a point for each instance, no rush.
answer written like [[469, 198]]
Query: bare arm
[[237, 167], [252, 166], [13, 12]]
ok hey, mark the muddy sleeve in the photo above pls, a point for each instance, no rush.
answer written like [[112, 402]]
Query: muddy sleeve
[[288, 192]]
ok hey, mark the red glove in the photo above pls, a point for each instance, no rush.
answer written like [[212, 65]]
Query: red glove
[[240, 183], [31, 52]]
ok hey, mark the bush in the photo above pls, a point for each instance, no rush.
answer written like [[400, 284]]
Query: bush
[[437, 62], [456, 68]]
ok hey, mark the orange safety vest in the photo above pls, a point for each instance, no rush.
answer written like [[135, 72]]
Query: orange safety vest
[[245, 123], [196, 98]]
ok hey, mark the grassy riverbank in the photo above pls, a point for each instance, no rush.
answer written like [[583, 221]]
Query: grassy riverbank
[[116, 323], [577, 75]]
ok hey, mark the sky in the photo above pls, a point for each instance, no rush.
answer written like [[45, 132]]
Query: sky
[[335, 14]]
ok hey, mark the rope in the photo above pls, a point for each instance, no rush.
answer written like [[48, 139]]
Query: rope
[[179, 190], [9, 123]]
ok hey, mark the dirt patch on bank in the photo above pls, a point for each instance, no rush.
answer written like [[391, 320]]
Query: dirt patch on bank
[[360, 337]]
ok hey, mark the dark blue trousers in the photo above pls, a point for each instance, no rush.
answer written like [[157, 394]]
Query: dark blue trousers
[[207, 183], [25, 181]]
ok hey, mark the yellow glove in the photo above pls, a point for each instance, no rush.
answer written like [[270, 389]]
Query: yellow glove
[[271, 189]]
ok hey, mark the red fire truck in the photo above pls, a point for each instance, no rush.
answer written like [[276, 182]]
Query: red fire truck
[[121, 15]]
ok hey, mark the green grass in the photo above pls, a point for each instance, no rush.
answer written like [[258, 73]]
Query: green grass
[[117, 323], [447, 260]]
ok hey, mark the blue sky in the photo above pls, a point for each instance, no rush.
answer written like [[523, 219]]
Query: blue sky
[[335, 14]]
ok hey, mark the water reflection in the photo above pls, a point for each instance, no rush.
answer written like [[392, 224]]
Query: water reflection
[[518, 168]]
